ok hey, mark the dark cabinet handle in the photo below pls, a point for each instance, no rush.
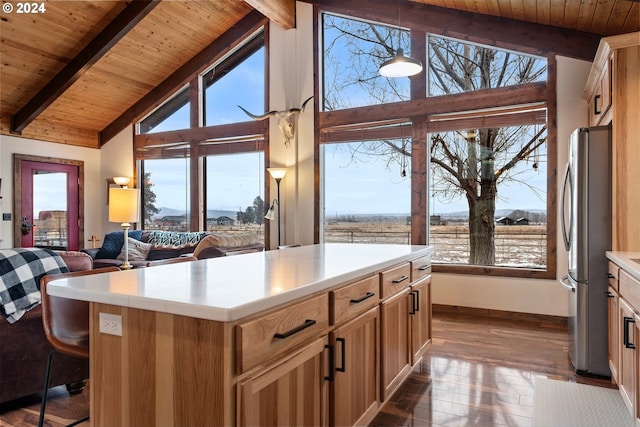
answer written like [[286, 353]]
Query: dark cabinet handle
[[343, 354], [417, 300], [305, 325], [331, 362], [595, 105], [611, 276], [610, 295], [362, 298], [625, 335], [424, 267], [413, 303], [400, 279]]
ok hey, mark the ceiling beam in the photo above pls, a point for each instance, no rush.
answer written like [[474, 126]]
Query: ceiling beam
[[502, 33], [78, 66], [213, 52], [282, 12]]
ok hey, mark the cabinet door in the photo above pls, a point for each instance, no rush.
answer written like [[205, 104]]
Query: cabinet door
[[420, 318], [289, 393], [354, 391], [628, 353], [614, 332], [394, 342]]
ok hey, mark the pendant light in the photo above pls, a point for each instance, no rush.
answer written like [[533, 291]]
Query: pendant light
[[400, 65]]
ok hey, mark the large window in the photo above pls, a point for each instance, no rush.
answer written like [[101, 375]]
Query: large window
[[218, 165], [367, 197], [352, 52], [480, 188], [235, 192], [166, 194]]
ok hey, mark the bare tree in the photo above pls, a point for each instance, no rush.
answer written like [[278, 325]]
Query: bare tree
[[472, 163]]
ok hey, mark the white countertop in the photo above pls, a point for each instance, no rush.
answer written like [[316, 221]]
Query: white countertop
[[230, 288], [625, 260]]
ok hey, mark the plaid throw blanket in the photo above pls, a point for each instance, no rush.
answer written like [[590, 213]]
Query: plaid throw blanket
[[20, 273]]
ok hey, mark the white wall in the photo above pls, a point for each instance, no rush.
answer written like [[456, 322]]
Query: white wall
[[93, 180]]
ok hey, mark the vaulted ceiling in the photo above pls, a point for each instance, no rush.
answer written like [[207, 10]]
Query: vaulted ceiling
[[78, 72]]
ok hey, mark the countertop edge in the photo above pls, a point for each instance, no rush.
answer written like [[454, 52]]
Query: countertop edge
[[234, 313]]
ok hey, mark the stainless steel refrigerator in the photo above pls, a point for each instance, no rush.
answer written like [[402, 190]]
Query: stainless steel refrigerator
[[586, 231]]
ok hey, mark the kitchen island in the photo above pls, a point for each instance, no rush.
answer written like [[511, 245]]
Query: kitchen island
[[314, 335]]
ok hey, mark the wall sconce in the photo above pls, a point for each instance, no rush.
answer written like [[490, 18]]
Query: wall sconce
[[277, 174]]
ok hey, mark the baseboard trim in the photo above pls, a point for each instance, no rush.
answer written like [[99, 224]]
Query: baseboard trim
[[541, 319]]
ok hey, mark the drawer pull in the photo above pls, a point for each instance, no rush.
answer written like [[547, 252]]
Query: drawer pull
[[610, 295], [596, 110], [400, 279], [611, 276], [362, 298], [424, 267], [625, 335], [331, 362], [305, 325], [413, 303], [343, 354]]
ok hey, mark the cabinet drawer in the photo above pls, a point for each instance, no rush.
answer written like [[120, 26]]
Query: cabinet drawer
[[630, 289], [420, 267], [262, 339], [353, 299], [395, 279], [613, 275]]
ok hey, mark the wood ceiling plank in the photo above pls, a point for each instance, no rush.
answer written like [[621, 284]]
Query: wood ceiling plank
[[619, 14], [585, 16], [282, 12], [543, 12], [556, 13], [571, 14], [633, 19], [601, 16], [517, 10], [123, 23], [215, 50]]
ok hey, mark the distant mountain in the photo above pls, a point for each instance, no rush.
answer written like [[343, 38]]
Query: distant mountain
[[212, 213]]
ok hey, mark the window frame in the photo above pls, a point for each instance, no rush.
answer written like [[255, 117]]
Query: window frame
[[421, 111]]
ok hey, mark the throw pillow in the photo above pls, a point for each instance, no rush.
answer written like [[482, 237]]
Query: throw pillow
[[138, 251], [223, 240], [113, 243]]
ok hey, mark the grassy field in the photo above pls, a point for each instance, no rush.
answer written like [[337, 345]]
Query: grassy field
[[516, 245]]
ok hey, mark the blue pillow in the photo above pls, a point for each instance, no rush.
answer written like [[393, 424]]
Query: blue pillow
[[113, 242]]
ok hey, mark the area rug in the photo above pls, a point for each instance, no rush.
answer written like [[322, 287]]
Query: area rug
[[565, 404]]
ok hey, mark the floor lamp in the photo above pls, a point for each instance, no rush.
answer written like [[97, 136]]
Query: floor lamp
[[277, 174], [123, 208]]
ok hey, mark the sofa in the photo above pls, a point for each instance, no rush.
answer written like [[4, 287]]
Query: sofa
[[147, 248], [24, 351]]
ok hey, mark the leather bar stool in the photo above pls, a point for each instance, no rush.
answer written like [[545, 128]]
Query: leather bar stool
[[66, 326]]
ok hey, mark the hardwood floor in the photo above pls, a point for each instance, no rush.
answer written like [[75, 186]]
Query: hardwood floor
[[479, 371]]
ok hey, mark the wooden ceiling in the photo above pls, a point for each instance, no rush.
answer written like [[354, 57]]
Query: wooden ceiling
[[78, 70]]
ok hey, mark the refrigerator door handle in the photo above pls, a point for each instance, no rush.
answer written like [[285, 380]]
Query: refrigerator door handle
[[566, 233], [566, 283]]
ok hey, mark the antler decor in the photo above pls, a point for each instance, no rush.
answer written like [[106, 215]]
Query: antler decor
[[287, 120]]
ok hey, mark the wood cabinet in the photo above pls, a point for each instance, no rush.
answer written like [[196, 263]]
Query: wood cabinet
[[624, 333], [420, 318], [395, 359], [317, 360], [628, 356], [289, 393], [354, 390], [613, 297], [615, 79]]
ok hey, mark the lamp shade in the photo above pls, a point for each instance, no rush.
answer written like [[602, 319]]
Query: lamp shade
[[123, 205], [277, 173], [400, 66]]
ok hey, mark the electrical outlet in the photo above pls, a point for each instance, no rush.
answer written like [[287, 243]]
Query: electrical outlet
[[111, 324]]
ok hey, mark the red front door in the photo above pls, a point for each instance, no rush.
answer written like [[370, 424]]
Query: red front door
[[49, 207]]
